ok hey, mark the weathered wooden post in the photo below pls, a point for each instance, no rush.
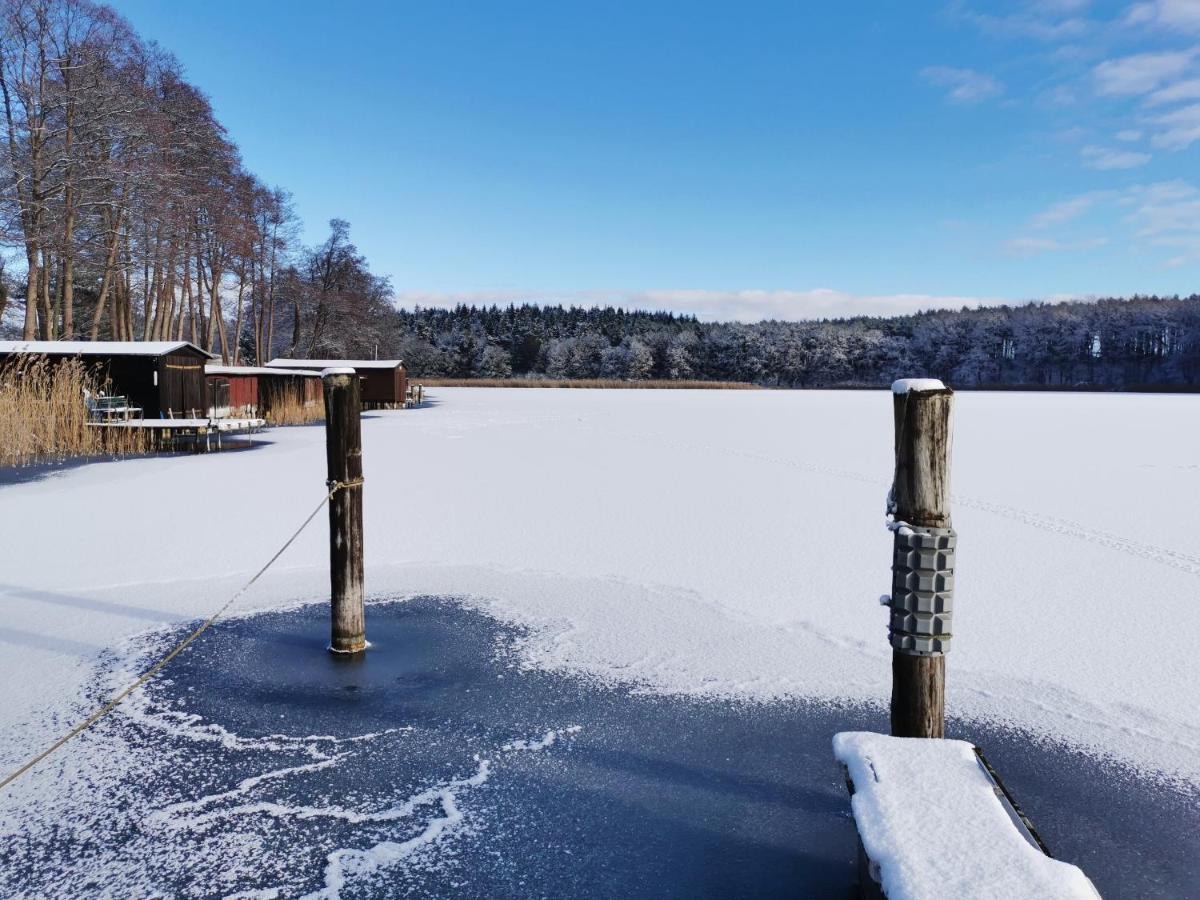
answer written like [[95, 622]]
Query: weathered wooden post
[[921, 601], [343, 452]]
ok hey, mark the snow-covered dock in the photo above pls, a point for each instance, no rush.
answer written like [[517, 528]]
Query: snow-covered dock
[[198, 425], [933, 822], [201, 434]]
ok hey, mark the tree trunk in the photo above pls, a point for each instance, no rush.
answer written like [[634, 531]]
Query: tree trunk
[[44, 304], [109, 265], [237, 324]]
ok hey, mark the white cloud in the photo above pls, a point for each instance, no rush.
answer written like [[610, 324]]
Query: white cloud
[[1103, 158], [1140, 73], [1068, 210], [1165, 208], [1167, 215], [740, 306], [1034, 246], [1173, 15], [1043, 20], [1059, 96], [1179, 128], [1072, 135], [1162, 215], [964, 85], [1174, 93], [1129, 135]]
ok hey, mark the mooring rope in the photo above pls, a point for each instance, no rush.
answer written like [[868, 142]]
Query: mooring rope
[[101, 712]]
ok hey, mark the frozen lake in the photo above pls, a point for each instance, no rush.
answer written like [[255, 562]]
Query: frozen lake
[[437, 766], [703, 546]]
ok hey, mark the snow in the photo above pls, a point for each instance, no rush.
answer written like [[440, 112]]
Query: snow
[[212, 369], [717, 543], [338, 370], [333, 363], [907, 385], [98, 348], [214, 424], [928, 816]]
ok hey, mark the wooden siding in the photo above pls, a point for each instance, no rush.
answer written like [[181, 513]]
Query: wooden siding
[[182, 389]]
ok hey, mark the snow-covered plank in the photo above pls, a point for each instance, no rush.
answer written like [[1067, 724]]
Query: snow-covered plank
[[932, 823], [184, 424]]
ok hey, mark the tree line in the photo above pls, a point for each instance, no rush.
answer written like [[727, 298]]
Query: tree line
[[129, 212], [1142, 341]]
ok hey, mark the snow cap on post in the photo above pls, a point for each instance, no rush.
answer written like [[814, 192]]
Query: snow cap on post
[[338, 370], [906, 385]]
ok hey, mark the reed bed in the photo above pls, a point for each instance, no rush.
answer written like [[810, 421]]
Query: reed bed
[[44, 416], [293, 411], [587, 383]]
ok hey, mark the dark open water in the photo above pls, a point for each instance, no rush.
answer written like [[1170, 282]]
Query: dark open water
[[633, 796]]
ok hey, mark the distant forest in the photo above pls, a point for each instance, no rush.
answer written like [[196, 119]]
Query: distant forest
[[1145, 342]]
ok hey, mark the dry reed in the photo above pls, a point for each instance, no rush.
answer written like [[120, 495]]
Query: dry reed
[[586, 383], [44, 415], [293, 411]]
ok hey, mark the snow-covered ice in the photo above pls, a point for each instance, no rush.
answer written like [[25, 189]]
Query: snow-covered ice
[[702, 542], [711, 544], [928, 815]]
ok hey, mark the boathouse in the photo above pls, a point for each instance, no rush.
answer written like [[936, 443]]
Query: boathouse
[[384, 381], [162, 378], [272, 393]]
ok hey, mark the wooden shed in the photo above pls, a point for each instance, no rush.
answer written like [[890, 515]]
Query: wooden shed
[[384, 381], [277, 394], [164, 378], [232, 390]]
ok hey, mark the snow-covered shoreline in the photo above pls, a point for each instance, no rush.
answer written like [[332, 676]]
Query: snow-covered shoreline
[[714, 543]]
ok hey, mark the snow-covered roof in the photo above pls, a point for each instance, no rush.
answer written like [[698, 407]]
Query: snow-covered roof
[[335, 363], [99, 348], [218, 369], [929, 816]]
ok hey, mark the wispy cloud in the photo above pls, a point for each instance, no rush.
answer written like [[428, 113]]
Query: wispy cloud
[[1188, 89], [1103, 158], [1035, 246], [963, 85], [1178, 129], [1043, 20], [1172, 15], [1129, 135], [1141, 73], [708, 305], [1163, 214], [1059, 96], [1070, 209]]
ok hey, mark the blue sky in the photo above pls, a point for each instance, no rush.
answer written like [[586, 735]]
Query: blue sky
[[737, 160]]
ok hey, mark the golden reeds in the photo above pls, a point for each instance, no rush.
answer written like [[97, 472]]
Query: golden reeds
[[290, 410], [44, 415]]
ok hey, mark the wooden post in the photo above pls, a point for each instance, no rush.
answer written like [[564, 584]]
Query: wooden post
[[343, 451], [922, 411]]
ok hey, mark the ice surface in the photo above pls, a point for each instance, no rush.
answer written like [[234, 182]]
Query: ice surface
[[714, 543], [928, 815]]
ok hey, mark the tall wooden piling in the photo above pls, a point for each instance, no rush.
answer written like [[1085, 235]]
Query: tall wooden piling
[[921, 498], [343, 452]]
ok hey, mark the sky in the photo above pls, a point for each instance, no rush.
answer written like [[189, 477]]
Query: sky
[[738, 160]]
